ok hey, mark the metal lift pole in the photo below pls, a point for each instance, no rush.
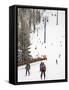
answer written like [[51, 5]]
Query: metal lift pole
[[45, 31]]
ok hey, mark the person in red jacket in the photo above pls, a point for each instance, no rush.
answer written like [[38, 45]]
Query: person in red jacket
[[42, 69]]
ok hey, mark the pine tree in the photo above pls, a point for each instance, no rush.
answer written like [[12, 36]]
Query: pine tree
[[38, 17], [23, 35], [25, 43]]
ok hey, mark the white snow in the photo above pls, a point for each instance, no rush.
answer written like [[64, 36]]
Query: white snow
[[55, 45]]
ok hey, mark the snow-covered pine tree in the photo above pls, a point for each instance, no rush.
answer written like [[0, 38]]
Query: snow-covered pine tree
[[24, 46], [23, 34], [38, 16]]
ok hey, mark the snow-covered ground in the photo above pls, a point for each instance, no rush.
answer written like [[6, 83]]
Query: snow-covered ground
[[54, 48]]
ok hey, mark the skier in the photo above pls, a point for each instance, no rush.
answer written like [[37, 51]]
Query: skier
[[56, 61], [59, 55], [42, 69], [27, 69]]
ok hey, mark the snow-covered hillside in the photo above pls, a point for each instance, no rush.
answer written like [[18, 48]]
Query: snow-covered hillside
[[54, 48]]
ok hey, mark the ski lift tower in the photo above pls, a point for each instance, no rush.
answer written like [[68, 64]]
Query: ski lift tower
[[45, 23]]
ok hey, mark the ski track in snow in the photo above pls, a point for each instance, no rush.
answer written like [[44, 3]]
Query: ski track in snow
[[55, 45]]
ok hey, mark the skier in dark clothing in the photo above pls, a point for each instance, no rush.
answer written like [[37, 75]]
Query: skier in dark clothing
[[42, 69], [56, 61], [27, 69]]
